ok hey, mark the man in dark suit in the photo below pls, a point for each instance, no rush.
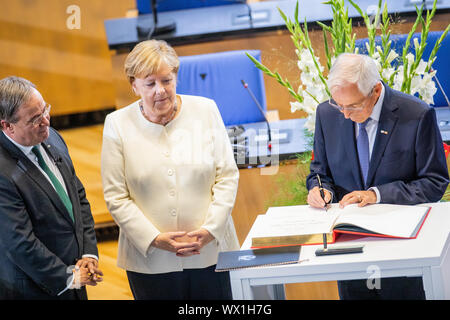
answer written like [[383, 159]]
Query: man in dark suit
[[373, 144], [47, 239]]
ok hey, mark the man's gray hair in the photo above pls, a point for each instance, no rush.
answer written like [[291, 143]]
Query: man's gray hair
[[353, 68], [13, 92]]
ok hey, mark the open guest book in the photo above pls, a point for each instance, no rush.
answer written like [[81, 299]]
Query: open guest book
[[299, 225]]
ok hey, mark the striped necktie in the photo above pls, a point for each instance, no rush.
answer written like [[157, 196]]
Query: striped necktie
[[58, 187], [362, 143]]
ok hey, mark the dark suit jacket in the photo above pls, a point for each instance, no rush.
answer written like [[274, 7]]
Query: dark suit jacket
[[38, 239], [408, 163]]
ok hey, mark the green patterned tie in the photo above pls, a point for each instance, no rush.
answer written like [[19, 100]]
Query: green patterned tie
[[58, 187]]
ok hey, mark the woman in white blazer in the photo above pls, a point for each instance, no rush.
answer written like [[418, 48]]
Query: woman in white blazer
[[170, 182]]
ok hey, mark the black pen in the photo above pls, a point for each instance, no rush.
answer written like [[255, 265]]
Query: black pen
[[322, 194]]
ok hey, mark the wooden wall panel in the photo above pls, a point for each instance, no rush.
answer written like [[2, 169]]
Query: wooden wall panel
[[71, 67]]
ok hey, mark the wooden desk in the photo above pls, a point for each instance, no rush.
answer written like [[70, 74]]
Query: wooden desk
[[216, 22]]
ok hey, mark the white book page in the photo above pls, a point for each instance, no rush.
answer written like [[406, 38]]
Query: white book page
[[388, 219], [293, 220]]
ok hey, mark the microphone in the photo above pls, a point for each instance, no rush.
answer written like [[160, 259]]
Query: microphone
[[156, 28], [250, 15], [58, 160], [269, 142], [155, 13]]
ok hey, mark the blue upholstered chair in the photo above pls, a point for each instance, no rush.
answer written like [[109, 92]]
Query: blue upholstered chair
[[441, 64], [218, 76]]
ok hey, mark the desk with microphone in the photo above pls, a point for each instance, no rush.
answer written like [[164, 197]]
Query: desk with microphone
[[262, 143]]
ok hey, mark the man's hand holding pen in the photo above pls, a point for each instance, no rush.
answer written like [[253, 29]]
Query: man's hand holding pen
[[316, 200]]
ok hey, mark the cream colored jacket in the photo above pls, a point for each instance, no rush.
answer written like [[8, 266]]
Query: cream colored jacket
[[178, 177]]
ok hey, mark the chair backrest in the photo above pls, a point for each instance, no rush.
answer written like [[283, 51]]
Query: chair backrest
[[144, 6], [441, 64], [218, 76]]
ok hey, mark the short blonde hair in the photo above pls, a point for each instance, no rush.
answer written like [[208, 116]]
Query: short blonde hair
[[146, 58]]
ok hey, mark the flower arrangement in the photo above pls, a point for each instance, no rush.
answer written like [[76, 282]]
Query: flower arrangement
[[405, 71]]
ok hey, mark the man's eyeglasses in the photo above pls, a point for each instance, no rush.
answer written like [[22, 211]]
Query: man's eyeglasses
[[350, 108], [38, 119]]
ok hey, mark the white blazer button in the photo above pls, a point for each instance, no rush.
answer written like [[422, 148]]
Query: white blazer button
[[170, 172], [173, 212]]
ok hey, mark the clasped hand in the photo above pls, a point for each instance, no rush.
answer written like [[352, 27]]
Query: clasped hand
[[90, 274], [183, 243]]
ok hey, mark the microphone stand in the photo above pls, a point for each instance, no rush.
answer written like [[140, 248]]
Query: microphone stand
[[269, 142], [155, 29], [440, 88], [250, 16]]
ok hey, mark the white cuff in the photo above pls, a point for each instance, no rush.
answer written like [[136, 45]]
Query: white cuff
[[73, 282], [90, 256], [377, 192]]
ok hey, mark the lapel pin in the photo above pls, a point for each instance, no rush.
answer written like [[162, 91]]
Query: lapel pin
[[384, 132]]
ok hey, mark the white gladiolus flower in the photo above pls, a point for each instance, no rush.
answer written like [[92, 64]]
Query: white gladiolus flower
[[314, 91], [310, 123], [391, 56], [416, 44], [421, 67], [398, 79], [295, 106], [387, 73], [410, 57], [427, 88], [416, 84]]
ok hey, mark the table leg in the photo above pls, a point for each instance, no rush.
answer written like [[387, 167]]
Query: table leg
[[242, 290]]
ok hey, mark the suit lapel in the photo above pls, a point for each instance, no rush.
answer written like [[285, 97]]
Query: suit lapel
[[349, 142], [35, 174], [386, 125]]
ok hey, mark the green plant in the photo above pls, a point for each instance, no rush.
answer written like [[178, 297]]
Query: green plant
[[406, 72], [292, 188]]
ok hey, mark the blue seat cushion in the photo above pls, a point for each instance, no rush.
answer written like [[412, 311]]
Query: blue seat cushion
[[218, 76], [441, 64]]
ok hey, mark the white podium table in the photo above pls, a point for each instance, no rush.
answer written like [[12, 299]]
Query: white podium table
[[427, 256]]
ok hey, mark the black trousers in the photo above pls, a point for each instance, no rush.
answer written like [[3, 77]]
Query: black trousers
[[189, 284], [401, 288]]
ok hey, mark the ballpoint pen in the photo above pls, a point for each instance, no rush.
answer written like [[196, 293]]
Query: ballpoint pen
[[322, 194]]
